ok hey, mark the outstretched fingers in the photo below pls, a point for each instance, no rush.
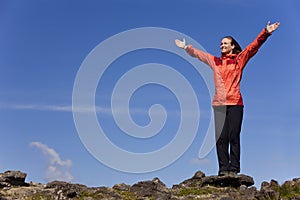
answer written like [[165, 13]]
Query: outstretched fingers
[[272, 27], [180, 43]]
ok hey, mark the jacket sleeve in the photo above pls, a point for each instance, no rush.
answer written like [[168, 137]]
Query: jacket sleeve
[[252, 48], [201, 55]]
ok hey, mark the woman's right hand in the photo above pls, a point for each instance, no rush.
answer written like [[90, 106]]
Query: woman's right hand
[[272, 27], [180, 44]]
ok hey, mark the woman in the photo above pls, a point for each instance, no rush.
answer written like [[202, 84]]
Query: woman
[[228, 103]]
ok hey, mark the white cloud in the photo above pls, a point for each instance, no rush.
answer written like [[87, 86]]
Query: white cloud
[[57, 169], [61, 108], [69, 108], [99, 109]]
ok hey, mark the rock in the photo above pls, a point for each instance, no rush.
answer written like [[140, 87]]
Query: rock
[[198, 175], [198, 187], [270, 190], [274, 184], [195, 181], [264, 185], [297, 180], [200, 180], [226, 198], [228, 181], [152, 189], [66, 189], [121, 187], [107, 193], [248, 191], [12, 178], [290, 189]]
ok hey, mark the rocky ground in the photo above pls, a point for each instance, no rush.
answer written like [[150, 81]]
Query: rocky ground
[[13, 186]]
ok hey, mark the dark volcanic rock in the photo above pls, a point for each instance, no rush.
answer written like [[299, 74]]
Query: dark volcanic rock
[[155, 189], [66, 189], [226, 181], [198, 187], [12, 178], [122, 187], [200, 180]]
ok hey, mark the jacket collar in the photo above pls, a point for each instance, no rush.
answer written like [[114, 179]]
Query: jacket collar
[[231, 56]]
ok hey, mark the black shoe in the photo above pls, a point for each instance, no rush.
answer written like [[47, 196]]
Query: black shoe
[[232, 173], [223, 173]]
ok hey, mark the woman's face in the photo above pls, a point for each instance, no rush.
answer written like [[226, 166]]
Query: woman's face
[[226, 47]]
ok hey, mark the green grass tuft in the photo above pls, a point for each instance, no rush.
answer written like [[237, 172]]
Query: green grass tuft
[[192, 191], [288, 191], [127, 195]]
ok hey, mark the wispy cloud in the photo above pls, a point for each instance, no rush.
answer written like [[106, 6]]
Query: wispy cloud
[[69, 108], [60, 108], [57, 168], [41, 107], [99, 109]]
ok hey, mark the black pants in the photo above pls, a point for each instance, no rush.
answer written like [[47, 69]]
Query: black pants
[[228, 123]]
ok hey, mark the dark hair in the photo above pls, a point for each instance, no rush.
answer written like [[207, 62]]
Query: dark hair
[[237, 48]]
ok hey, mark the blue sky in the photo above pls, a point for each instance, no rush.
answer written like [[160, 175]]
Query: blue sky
[[44, 42]]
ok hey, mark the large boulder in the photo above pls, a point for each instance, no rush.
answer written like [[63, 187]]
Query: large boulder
[[151, 189], [66, 189], [228, 181], [12, 178], [200, 180]]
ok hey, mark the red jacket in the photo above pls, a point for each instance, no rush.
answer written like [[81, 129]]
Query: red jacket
[[228, 70]]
